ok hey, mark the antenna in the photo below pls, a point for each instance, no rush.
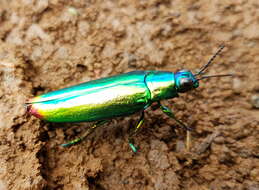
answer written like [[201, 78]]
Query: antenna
[[210, 61], [211, 76]]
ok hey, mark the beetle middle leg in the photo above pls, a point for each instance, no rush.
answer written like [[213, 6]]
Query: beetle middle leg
[[85, 134], [134, 132], [169, 113]]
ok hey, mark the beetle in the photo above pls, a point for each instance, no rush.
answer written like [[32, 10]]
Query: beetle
[[120, 95]]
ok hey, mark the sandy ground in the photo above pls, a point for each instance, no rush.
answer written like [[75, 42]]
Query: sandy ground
[[47, 45]]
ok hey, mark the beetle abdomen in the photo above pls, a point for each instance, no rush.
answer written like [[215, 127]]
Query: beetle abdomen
[[95, 100]]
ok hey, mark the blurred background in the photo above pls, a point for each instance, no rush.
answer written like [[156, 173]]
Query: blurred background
[[46, 45]]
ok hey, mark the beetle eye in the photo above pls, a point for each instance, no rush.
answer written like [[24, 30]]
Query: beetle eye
[[186, 84]]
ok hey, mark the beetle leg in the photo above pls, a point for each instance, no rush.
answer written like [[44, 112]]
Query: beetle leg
[[188, 140], [134, 132], [86, 133], [169, 113]]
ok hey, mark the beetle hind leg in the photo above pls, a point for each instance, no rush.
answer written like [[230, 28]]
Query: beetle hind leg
[[134, 132], [85, 134]]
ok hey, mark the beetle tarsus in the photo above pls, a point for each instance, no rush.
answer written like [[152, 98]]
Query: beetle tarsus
[[73, 142], [86, 134], [133, 147], [134, 132]]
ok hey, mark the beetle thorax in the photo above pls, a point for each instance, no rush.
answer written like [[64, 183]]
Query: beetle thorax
[[161, 85]]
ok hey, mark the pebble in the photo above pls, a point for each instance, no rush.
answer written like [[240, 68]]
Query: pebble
[[255, 101]]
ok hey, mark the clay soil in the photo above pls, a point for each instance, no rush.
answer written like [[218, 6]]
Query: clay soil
[[48, 45]]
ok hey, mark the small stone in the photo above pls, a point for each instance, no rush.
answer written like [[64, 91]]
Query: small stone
[[237, 85], [255, 101], [72, 11], [201, 148]]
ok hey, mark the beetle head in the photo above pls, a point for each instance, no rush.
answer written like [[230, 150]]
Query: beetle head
[[185, 81]]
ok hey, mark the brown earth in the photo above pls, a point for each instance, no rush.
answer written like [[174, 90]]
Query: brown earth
[[47, 45]]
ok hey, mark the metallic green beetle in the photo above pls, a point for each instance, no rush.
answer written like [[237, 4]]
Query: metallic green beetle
[[119, 95]]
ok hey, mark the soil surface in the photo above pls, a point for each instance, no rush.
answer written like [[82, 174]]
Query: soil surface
[[51, 44]]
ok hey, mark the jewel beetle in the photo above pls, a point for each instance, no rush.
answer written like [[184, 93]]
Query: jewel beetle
[[120, 95]]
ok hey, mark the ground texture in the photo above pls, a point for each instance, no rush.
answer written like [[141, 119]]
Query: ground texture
[[47, 45]]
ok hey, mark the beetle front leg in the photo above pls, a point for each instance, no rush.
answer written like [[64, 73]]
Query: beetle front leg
[[86, 133], [169, 113], [134, 132]]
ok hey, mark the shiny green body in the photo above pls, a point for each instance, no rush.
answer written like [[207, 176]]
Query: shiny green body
[[119, 95], [105, 98]]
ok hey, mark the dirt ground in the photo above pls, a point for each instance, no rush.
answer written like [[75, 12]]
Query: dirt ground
[[46, 45]]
